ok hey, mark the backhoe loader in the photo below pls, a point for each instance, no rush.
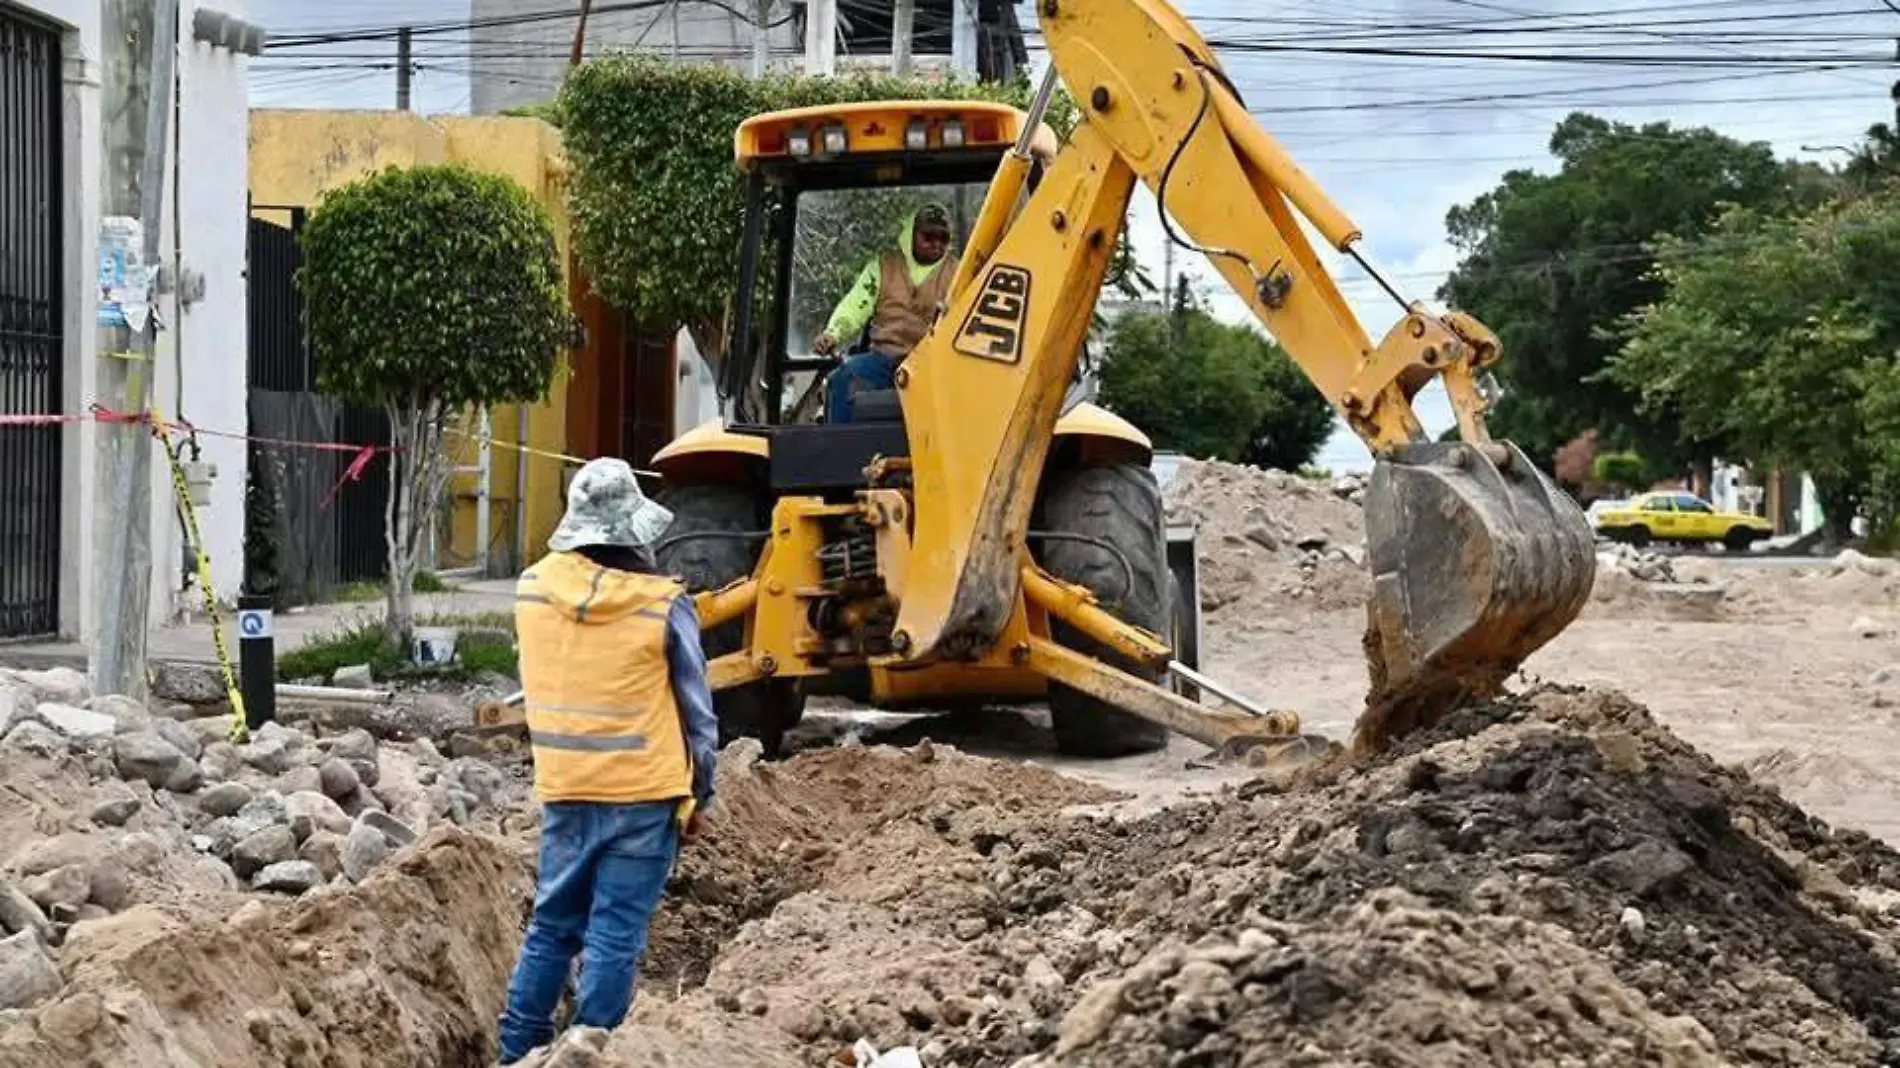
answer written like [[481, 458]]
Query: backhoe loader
[[975, 535]]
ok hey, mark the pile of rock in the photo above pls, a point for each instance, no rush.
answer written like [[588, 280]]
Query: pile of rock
[[1642, 566], [114, 803]]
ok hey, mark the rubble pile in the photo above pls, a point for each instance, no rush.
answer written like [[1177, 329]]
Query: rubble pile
[[1552, 879], [1269, 537], [113, 805]]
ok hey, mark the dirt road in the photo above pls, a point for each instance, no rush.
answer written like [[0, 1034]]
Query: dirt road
[[1603, 870]]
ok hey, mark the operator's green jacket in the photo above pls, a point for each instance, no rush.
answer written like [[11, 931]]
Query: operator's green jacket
[[860, 304]]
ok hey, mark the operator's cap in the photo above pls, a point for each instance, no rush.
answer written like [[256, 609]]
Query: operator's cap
[[605, 507], [931, 216]]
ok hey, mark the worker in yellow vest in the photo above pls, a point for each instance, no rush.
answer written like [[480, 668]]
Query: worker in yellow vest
[[897, 295], [621, 723]]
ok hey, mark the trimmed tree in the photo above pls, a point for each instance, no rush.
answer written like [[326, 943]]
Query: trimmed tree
[[430, 290], [656, 198]]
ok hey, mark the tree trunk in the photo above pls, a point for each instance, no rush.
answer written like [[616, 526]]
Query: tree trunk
[[1839, 502], [399, 619]]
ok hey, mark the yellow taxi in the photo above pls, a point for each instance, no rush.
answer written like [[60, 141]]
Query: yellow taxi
[[1683, 518]]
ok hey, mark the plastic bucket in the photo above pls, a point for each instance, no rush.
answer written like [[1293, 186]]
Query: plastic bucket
[[433, 646]]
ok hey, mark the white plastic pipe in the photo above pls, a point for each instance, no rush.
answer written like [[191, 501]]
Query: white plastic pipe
[[335, 693]]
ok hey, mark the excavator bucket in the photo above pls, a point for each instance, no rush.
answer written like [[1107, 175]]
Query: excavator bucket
[[1477, 560]]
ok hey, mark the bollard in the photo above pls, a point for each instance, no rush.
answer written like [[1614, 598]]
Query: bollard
[[257, 660]]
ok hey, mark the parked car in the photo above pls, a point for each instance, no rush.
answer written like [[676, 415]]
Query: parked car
[[1682, 518]]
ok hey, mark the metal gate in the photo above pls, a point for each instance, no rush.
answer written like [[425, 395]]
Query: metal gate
[[319, 529], [31, 324]]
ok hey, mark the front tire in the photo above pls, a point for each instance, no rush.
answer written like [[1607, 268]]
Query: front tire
[[705, 547], [1639, 537], [1739, 539], [1119, 504]]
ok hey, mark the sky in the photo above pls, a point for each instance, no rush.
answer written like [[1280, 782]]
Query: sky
[[1396, 139]]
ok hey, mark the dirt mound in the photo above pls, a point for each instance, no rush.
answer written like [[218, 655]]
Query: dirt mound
[[846, 817], [1548, 879], [1268, 537], [408, 969]]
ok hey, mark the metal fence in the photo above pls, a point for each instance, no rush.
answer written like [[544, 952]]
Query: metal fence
[[324, 531], [31, 324]]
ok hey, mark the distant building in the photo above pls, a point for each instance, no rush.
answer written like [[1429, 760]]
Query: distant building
[[519, 64]]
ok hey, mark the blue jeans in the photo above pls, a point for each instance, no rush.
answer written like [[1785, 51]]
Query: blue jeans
[[868, 370], [603, 868]]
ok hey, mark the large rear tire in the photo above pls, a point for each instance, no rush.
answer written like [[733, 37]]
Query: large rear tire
[[766, 709], [1119, 504]]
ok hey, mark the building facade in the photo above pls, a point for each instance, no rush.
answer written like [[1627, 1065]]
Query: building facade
[[517, 60], [55, 519]]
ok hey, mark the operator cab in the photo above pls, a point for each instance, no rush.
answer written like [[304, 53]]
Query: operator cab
[[828, 189]]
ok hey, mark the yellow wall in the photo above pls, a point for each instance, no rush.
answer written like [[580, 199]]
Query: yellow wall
[[298, 155]]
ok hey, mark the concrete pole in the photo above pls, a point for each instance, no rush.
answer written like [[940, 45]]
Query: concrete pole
[[405, 67], [963, 37], [821, 37], [761, 37], [903, 27], [137, 110]]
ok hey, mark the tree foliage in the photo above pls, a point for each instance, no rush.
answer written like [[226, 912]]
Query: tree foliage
[[1551, 260], [656, 199], [1623, 470], [1777, 334], [430, 289], [1209, 389]]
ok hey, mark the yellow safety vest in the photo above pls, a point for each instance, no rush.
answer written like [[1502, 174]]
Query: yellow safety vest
[[602, 719]]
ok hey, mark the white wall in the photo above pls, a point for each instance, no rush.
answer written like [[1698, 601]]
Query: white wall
[[207, 339]]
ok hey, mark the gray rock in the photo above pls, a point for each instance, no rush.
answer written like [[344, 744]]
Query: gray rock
[[338, 779], [185, 779], [1886, 676], [365, 849], [182, 737], [140, 851], [220, 762], [271, 756], [1262, 535], [353, 677], [224, 799], [1867, 626], [357, 744], [16, 705], [303, 779], [74, 722], [18, 912], [36, 738], [272, 845], [70, 885], [111, 888], [45, 854], [425, 751], [310, 812], [192, 684], [127, 713], [144, 755], [288, 877], [113, 803], [59, 685], [27, 975], [325, 850], [1312, 541], [478, 777], [368, 772], [399, 833]]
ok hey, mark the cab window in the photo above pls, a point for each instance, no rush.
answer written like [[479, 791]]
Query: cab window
[[1692, 504], [1656, 504]]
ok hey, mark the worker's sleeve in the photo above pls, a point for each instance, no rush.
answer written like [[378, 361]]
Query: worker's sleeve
[[686, 662], [855, 309]]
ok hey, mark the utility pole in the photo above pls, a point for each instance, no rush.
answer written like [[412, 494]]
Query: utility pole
[[963, 36], [821, 37], [404, 67], [139, 50], [761, 37], [903, 27], [1167, 265]]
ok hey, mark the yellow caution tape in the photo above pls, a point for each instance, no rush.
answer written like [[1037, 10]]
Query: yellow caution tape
[[543, 453], [240, 726]]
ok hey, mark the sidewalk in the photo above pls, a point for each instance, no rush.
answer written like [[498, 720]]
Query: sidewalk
[[191, 642]]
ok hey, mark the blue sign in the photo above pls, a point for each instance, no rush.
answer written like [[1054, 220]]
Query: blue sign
[[254, 623]]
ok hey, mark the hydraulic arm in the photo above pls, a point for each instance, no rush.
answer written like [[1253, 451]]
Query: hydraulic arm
[[1477, 559]]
